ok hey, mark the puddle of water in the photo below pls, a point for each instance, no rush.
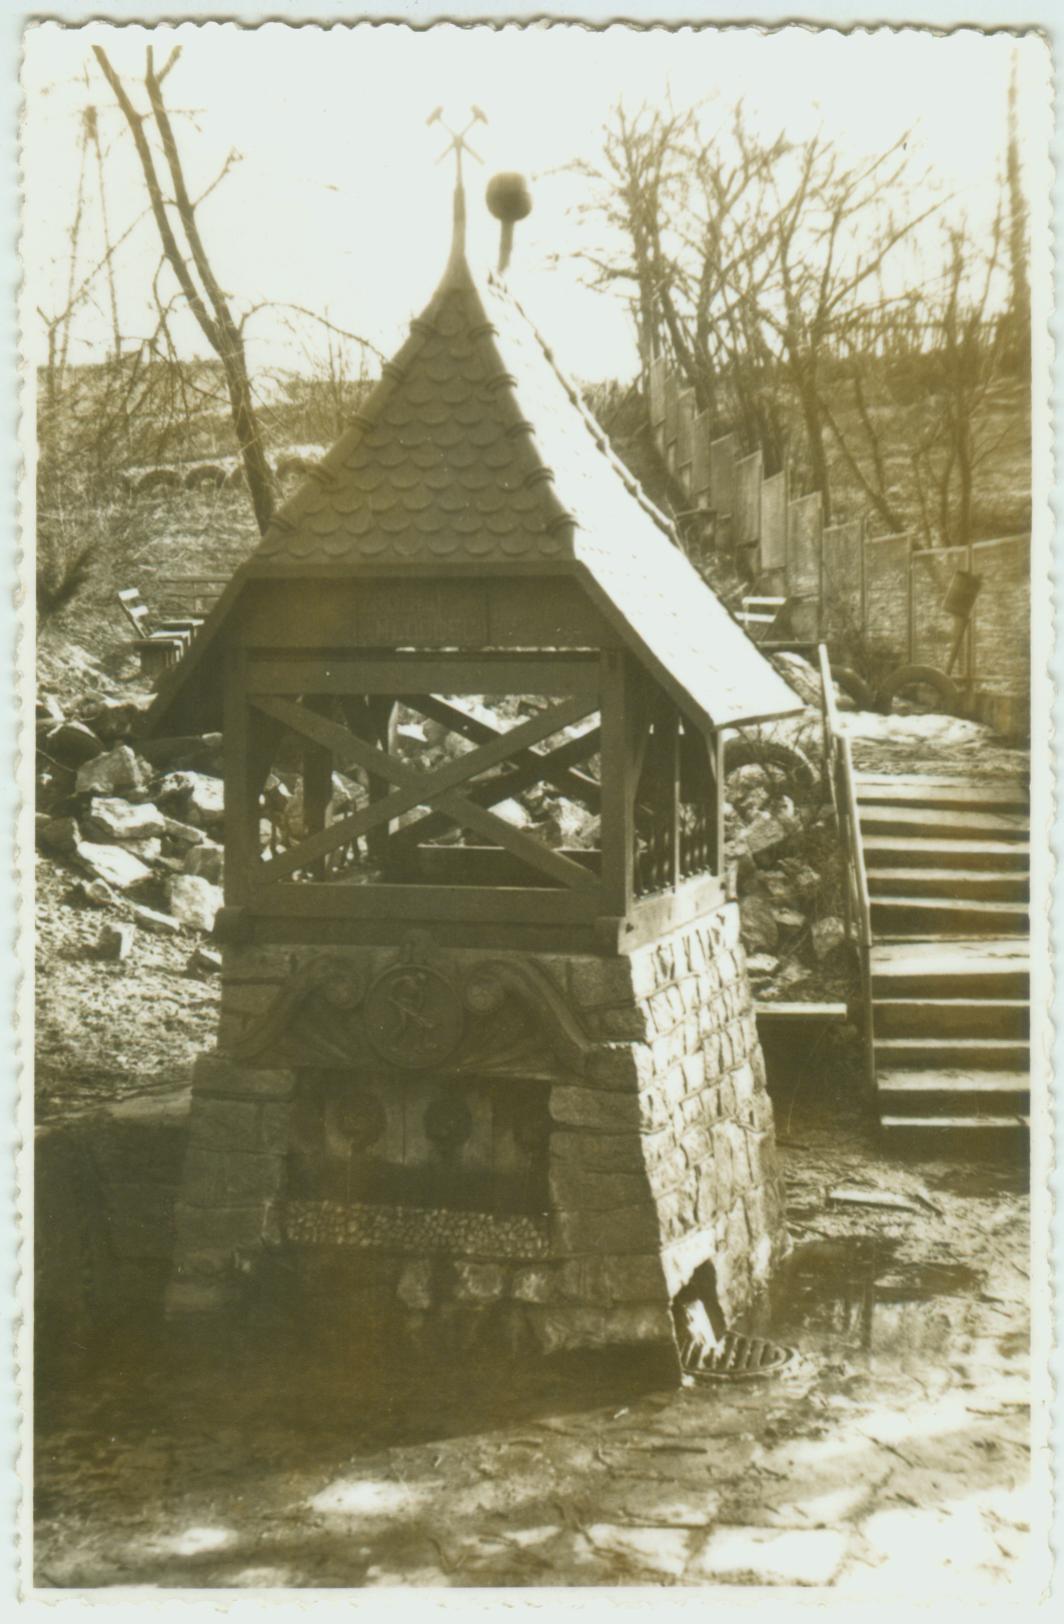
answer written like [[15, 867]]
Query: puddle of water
[[854, 1295], [986, 1180]]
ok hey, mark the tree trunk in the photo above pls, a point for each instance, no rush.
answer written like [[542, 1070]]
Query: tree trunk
[[218, 327]]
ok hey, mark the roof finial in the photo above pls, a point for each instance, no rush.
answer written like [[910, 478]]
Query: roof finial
[[509, 200], [458, 144]]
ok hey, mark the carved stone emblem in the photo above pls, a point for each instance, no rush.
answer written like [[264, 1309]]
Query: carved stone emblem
[[414, 1016]]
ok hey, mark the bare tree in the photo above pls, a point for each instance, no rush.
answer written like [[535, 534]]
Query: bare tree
[[750, 259], [966, 363], [194, 273]]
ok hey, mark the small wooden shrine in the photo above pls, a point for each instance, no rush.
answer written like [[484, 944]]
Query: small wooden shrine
[[491, 691]]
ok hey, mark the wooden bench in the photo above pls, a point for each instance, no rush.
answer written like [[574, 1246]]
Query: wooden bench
[[160, 643]]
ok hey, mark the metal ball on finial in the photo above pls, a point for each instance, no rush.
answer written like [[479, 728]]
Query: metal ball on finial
[[509, 199]]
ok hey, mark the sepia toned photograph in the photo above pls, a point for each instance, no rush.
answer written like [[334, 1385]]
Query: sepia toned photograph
[[538, 561]]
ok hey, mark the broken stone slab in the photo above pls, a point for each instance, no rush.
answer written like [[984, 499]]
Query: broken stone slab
[[757, 924], [761, 965], [828, 934], [205, 961], [115, 942], [792, 973], [162, 924], [207, 861], [47, 710], [186, 747], [182, 834], [115, 719], [71, 743], [97, 892], [115, 819], [200, 797], [149, 850], [765, 834], [194, 901], [806, 880], [58, 834], [119, 771], [788, 918], [113, 864]]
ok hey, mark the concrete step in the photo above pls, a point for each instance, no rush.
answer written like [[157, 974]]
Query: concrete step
[[976, 1054], [969, 795], [928, 1094], [915, 851], [996, 968], [941, 1130], [755, 620], [951, 1017], [985, 885], [923, 916], [936, 823]]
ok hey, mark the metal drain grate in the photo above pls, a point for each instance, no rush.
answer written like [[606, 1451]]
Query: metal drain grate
[[737, 1358]]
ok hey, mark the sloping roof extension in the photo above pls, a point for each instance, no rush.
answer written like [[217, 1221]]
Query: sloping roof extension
[[474, 450]]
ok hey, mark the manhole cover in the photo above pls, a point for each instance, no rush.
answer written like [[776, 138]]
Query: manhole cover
[[737, 1358]]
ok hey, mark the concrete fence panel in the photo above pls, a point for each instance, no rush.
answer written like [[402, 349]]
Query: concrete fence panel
[[656, 374], [685, 419], [887, 596], [842, 575], [933, 630], [774, 522], [722, 474], [1002, 645], [700, 480], [748, 471], [672, 413], [804, 533]]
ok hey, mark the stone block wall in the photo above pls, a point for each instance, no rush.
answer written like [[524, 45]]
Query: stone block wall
[[661, 1151]]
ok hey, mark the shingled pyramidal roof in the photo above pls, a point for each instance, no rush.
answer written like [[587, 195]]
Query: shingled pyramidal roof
[[474, 450]]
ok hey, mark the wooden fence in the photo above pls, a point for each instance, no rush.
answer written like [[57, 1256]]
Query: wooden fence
[[842, 583]]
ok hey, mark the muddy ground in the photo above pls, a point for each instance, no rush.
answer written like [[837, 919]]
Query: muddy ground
[[890, 1459]]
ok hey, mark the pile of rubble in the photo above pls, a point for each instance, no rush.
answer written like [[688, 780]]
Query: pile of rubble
[[141, 824]]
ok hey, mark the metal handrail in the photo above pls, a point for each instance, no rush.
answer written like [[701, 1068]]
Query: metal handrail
[[856, 847], [838, 760]]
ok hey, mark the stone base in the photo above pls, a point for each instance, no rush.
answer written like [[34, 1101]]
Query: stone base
[[658, 1156]]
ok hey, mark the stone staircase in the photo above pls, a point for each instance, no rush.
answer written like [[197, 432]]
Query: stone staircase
[[947, 862]]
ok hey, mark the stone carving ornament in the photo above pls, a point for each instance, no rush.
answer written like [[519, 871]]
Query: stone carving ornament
[[504, 1016]]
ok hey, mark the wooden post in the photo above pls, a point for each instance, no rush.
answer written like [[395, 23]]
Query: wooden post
[[382, 719], [718, 821], [241, 802], [317, 787], [671, 765], [618, 786]]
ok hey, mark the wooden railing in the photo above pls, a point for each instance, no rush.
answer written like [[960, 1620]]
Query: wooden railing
[[838, 769]]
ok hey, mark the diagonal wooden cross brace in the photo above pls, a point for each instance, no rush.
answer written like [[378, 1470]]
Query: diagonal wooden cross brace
[[578, 786], [436, 789], [501, 786]]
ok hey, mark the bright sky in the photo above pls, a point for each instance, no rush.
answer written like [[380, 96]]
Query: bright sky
[[339, 204]]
